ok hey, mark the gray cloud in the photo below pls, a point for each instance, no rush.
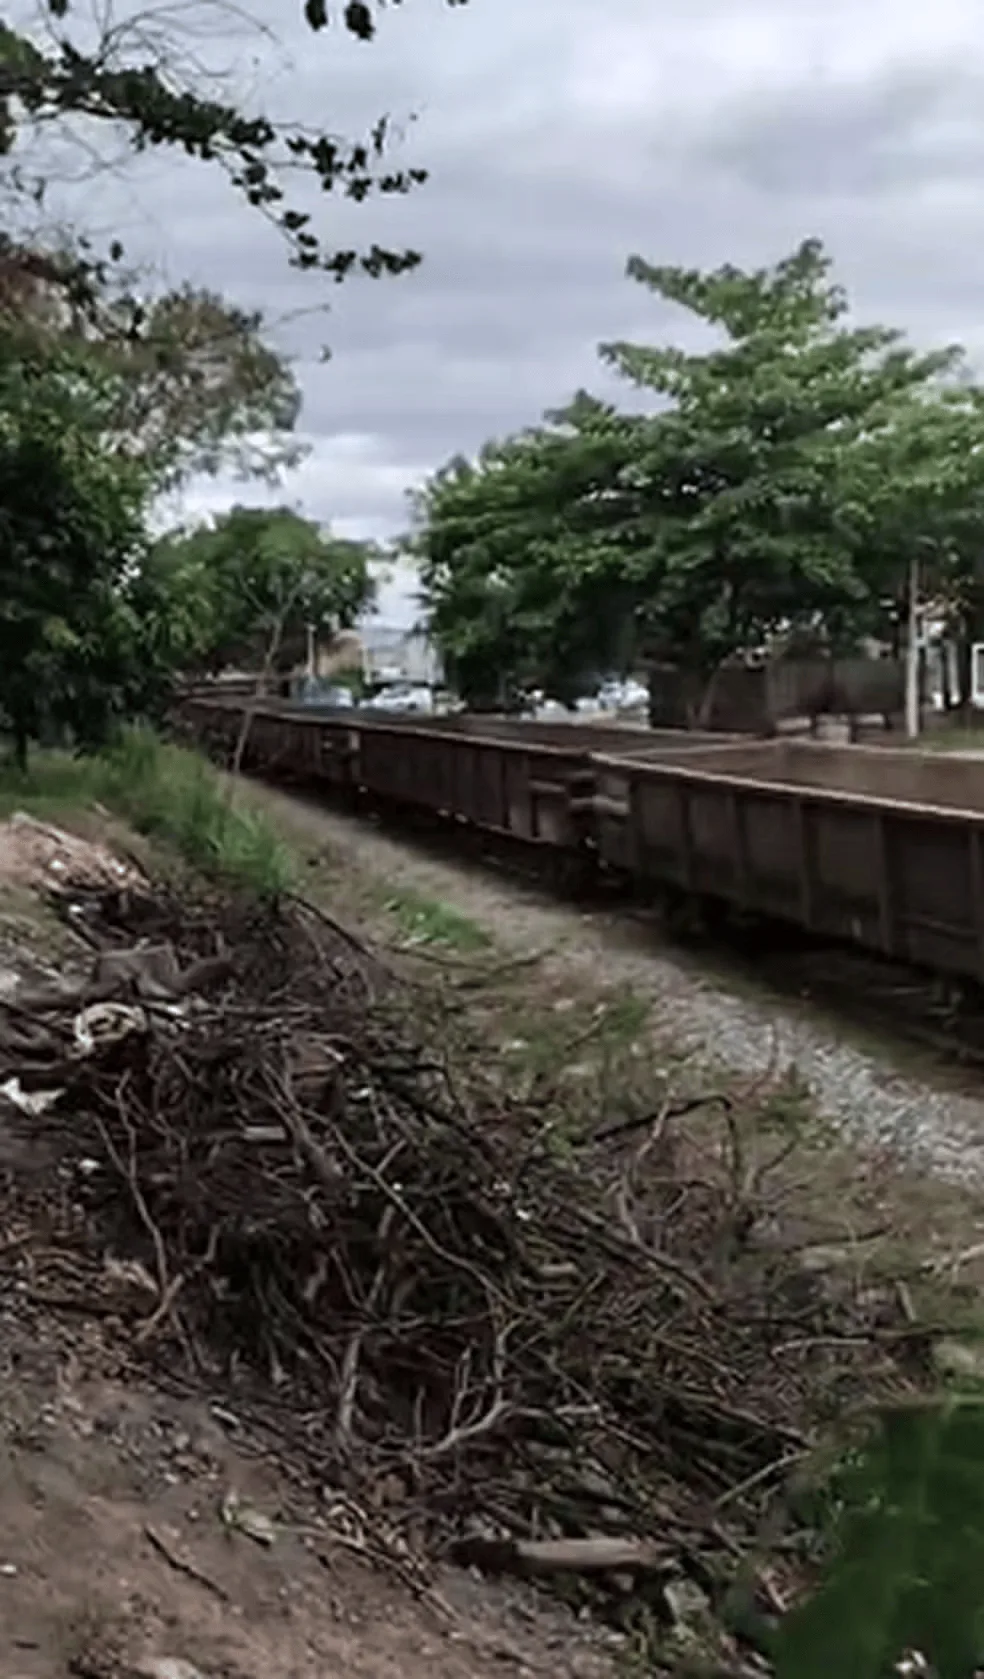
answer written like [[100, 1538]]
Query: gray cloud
[[887, 135], [561, 136]]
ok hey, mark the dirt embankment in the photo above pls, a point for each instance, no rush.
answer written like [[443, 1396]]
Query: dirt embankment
[[151, 1529], [349, 1287]]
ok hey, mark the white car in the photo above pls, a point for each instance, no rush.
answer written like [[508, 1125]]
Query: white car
[[622, 696], [403, 698]]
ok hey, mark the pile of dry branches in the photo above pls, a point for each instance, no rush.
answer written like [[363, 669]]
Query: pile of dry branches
[[388, 1262]]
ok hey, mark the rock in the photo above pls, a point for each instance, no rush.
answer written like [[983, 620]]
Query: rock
[[168, 1667]]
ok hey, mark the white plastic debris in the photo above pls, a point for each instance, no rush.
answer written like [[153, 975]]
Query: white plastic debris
[[168, 1667], [105, 1023], [33, 1102]]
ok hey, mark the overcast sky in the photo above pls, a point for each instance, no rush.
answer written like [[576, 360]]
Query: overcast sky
[[561, 136]]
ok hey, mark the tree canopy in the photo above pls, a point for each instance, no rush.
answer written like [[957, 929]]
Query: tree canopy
[[107, 399], [242, 591], [525, 555], [181, 381], [783, 478]]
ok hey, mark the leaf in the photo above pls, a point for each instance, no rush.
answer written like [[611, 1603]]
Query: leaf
[[908, 1560], [358, 20]]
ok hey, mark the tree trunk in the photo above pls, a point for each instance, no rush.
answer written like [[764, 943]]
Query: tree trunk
[[948, 699], [252, 704], [699, 715]]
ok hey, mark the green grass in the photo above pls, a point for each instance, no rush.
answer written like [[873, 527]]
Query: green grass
[[166, 793], [55, 785], [425, 921]]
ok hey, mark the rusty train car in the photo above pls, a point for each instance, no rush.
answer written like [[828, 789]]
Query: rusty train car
[[880, 848]]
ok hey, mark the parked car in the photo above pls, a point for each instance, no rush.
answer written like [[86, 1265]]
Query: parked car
[[404, 696], [622, 695]]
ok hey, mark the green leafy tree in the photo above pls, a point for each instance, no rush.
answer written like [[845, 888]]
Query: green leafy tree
[[261, 577], [182, 383], [748, 478], [779, 484], [244, 590], [104, 402], [198, 390], [71, 524], [914, 493], [138, 77], [525, 556]]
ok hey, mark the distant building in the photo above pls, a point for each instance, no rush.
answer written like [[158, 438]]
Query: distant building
[[393, 653], [378, 653]]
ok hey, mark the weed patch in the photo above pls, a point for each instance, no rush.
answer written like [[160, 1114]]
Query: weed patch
[[166, 793], [425, 921]]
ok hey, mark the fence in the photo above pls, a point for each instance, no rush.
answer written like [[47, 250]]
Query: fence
[[756, 699]]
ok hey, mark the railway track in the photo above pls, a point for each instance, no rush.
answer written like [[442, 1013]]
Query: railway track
[[902, 1005], [848, 879]]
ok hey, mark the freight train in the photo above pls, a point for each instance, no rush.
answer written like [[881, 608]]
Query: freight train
[[883, 849]]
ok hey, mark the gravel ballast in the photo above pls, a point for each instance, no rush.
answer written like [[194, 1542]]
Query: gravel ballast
[[861, 1091]]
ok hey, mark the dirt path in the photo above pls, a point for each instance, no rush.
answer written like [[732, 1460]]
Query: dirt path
[[859, 1090]]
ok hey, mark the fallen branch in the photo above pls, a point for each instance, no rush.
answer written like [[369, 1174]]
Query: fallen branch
[[181, 1566], [535, 1558]]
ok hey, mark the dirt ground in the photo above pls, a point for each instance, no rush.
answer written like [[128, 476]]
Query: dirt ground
[[118, 1557], [115, 1561]]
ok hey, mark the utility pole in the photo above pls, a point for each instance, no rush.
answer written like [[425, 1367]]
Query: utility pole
[[912, 718]]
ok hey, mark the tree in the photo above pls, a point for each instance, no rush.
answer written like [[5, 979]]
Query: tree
[[182, 382], [915, 488], [133, 78], [244, 590], [71, 524], [749, 477], [197, 390], [104, 402], [771, 490], [524, 556], [260, 577]]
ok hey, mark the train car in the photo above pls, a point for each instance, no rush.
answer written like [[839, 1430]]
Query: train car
[[882, 848], [530, 781]]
